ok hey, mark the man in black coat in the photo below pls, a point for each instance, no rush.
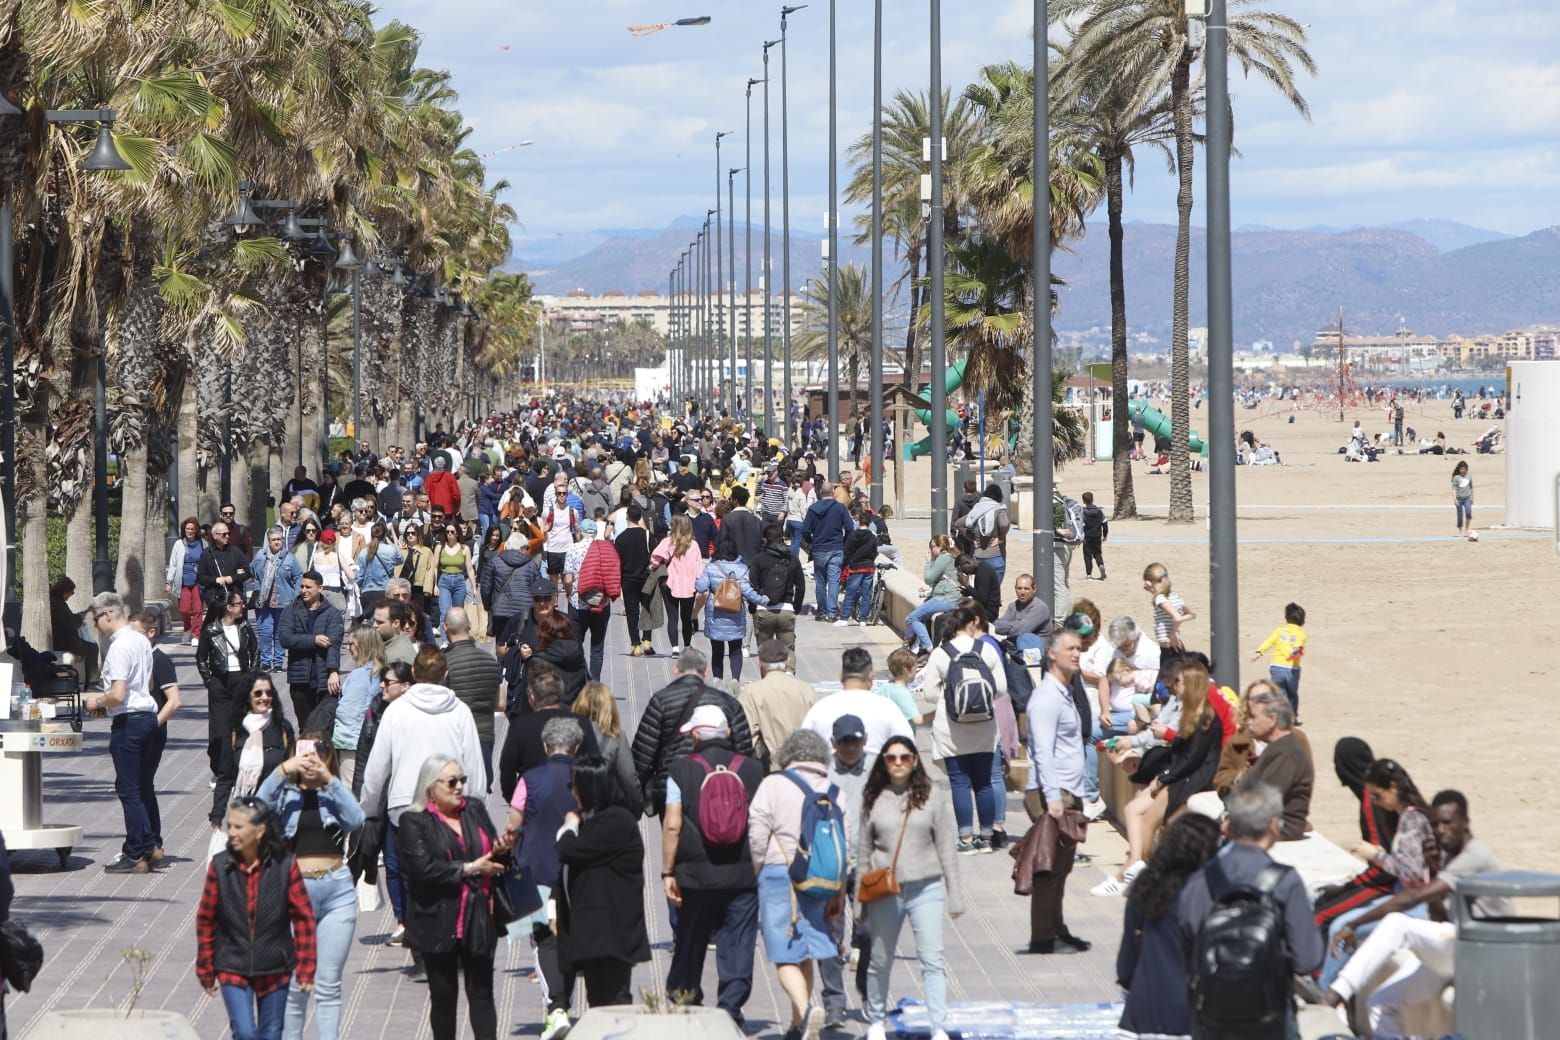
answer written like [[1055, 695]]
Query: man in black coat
[[523, 750], [659, 740], [778, 575], [223, 566], [311, 630], [742, 528], [712, 886]]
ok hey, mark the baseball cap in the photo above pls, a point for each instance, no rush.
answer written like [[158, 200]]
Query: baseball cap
[[849, 727], [772, 651], [587, 527], [708, 720]]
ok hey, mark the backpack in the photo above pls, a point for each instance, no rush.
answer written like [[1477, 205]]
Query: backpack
[[968, 688], [1067, 518], [723, 803], [818, 867], [775, 583], [1239, 973], [728, 595]]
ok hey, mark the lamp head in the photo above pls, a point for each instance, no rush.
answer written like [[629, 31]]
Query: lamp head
[[398, 278], [243, 216], [293, 231], [106, 155], [791, 10], [347, 260]]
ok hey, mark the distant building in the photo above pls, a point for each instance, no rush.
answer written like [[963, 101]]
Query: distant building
[[581, 312]]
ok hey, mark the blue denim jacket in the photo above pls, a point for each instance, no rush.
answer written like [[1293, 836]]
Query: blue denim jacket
[[358, 690], [337, 806]]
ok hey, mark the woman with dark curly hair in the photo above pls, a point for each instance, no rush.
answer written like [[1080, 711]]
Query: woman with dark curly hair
[[1149, 962], [910, 833]]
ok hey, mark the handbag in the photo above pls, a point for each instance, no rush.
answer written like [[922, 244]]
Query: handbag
[[728, 596], [515, 897], [882, 882], [20, 953]]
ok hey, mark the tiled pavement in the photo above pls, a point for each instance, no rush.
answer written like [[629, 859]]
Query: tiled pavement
[[86, 919]]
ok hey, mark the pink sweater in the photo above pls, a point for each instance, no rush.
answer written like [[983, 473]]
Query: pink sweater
[[775, 816], [682, 572]]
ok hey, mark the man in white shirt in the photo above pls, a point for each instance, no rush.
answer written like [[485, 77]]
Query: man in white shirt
[[878, 715], [132, 742]]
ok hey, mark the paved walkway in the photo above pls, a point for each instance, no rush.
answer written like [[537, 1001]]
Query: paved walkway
[[86, 920]]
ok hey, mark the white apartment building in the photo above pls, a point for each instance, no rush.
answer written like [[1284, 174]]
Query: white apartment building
[[581, 312]]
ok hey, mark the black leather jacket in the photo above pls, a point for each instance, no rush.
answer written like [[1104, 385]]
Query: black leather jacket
[[211, 656]]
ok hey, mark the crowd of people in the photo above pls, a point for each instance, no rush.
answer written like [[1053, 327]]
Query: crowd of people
[[818, 822]]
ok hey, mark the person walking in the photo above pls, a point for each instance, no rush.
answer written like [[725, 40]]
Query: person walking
[[640, 595], [986, 527], [358, 691], [660, 738], [419, 567], [911, 835], [457, 574], [1462, 500], [318, 815], [859, 570], [592, 575], [1054, 795], [601, 900], [778, 575], [709, 877], [596, 705], [451, 857], [276, 575], [777, 703], [473, 674], [311, 630], [223, 566], [180, 580], [727, 627], [684, 563], [338, 574], [227, 655], [258, 740], [254, 929], [823, 530], [963, 678], [133, 739], [374, 564]]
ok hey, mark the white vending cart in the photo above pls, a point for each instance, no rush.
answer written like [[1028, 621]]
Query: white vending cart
[[23, 743]]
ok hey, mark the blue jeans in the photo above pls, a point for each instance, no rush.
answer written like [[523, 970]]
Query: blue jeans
[[1091, 756], [998, 564], [334, 898], [1288, 682], [858, 596], [794, 529], [1464, 512], [452, 593], [393, 875], [826, 577], [916, 619], [1332, 964], [729, 918], [246, 1022], [133, 745], [922, 902], [998, 792], [272, 656], [966, 772]]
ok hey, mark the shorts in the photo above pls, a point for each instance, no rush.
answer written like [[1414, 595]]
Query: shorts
[[555, 563], [807, 938]]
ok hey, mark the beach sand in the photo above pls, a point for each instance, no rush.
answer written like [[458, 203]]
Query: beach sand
[[1438, 652]]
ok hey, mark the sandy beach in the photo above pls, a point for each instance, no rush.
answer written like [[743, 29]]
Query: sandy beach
[[1435, 650]]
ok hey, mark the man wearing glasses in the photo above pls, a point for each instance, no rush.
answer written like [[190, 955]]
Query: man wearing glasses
[[132, 742], [238, 534], [700, 511], [223, 566]]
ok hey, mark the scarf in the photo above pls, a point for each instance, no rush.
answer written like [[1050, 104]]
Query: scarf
[[251, 760]]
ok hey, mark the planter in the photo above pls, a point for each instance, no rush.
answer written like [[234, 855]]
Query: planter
[[690, 1023], [105, 1024]]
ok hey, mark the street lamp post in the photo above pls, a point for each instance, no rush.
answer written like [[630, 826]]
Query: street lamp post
[[747, 303], [720, 276], [875, 369], [1040, 159], [671, 329], [731, 278], [935, 238], [1222, 586], [769, 357], [785, 229], [348, 262], [832, 396]]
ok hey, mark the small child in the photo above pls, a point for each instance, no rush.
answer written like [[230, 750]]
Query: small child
[[1095, 530], [1288, 645], [1170, 610], [902, 666], [1126, 685]]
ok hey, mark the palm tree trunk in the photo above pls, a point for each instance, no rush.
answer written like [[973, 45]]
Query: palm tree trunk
[[1180, 368], [189, 463], [130, 576], [79, 545], [154, 554], [1121, 429], [32, 520], [912, 370]]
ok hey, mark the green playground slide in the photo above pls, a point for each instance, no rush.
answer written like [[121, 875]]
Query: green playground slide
[[923, 446], [1158, 423]]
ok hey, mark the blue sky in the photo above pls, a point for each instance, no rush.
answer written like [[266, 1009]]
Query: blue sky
[[1422, 108]]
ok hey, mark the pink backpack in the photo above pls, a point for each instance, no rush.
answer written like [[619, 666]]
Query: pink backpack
[[723, 803]]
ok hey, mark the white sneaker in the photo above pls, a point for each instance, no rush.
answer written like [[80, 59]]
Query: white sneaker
[[1111, 886], [877, 1031], [1130, 874], [812, 1023], [195, 640], [1094, 810], [842, 623], [940, 1034]]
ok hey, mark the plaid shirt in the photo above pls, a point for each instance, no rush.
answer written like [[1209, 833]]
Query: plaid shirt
[[298, 908]]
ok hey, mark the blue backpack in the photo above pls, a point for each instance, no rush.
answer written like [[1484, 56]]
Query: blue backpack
[[819, 866]]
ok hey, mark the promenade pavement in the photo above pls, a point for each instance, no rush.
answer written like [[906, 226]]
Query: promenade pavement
[[87, 920]]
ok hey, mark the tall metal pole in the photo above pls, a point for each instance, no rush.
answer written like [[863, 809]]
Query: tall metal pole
[[357, 353], [8, 395], [1044, 524], [832, 396], [671, 328], [711, 358], [785, 232], [875, 373], [731, 283], [939, 358], [747, 337], [720, 282], [698, 331], [769, 357], [102, 566], [324, 397], [1222, 585]]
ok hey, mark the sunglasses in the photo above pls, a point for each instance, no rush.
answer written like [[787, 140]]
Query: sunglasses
[[453, 782], [898, 758]]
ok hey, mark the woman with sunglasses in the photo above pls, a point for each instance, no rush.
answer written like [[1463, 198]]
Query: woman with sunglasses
[[226, 655], [276, 576], [418, 567], [254, 930], [908, 831], [181, 577], [308, 543], [259, 740], [317, 813], [457, 572], [391, 680], [450, 858], [358, 690]]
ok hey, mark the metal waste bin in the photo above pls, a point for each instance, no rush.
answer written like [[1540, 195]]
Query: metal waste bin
[[1506, 966]]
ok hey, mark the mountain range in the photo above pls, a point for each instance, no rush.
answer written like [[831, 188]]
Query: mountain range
[[1431, 276]]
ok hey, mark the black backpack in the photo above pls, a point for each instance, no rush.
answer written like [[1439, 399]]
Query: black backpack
[[776, 583], [969, 690], [1240, 976]]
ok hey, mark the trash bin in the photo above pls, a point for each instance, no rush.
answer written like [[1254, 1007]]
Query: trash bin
[[1506, 966]]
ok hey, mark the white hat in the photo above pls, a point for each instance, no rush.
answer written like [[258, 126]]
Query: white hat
[[708, 721]]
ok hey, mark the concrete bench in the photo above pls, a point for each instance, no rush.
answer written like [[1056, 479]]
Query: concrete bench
[[901, 595]]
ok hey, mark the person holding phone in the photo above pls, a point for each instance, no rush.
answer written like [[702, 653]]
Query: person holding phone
[[317, 814]]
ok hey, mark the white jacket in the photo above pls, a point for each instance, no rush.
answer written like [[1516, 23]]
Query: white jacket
[[424, 721]]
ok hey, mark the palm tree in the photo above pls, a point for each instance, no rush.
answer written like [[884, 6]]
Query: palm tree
[[853, 312], [1151, 35], [1107, 108]]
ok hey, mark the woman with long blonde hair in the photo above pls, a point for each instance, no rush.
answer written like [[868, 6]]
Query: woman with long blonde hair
[[596, 704], [684, 563]]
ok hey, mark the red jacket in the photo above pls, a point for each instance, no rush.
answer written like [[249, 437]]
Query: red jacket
[[443, 491], [600, 571]]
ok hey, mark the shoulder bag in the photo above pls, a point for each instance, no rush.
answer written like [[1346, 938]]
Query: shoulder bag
[[882, 882], [20, 953]]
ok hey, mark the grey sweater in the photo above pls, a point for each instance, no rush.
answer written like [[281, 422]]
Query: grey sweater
[[928, 853]]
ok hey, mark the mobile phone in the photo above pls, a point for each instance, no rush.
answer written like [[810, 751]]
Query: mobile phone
[[307, 747]]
